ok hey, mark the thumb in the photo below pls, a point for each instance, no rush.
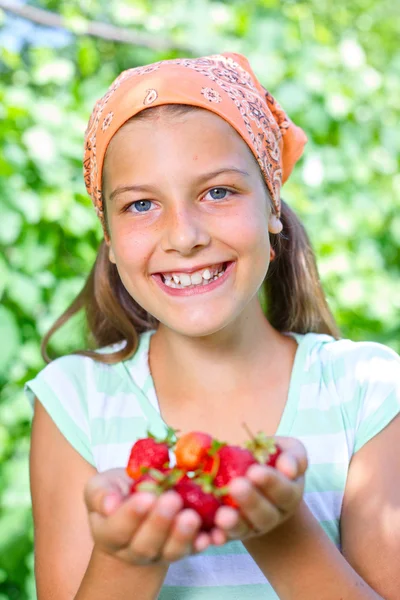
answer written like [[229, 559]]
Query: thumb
[[105, 491]]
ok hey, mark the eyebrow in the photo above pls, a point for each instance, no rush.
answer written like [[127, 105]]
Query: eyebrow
[[148, 188]]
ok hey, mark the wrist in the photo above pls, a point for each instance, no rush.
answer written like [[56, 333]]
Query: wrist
[[285, 535]]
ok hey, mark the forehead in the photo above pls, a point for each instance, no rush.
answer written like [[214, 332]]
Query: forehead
[[197, 129]]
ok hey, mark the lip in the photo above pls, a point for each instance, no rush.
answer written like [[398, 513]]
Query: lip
[[201, 289], [192, 269]]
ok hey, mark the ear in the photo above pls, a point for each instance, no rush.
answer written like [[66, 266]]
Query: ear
[[274, 224], [111, 255]]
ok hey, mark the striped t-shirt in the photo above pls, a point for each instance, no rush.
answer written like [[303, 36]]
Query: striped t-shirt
[[341, 394]]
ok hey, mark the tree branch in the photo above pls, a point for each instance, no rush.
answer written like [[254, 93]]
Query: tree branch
[[81, 26]]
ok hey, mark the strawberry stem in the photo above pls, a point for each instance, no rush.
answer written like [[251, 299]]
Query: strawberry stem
[[248, 431]]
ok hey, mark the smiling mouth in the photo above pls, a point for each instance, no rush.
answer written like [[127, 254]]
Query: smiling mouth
[[200, 278]]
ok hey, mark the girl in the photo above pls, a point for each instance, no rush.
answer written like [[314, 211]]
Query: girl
[[184, 161]]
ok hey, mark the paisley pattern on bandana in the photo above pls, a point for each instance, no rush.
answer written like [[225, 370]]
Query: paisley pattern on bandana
[[151, 97], [211, 95], [240, 99]]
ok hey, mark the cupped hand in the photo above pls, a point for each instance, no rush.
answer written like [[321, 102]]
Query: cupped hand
[[266, 496], [140, 528]]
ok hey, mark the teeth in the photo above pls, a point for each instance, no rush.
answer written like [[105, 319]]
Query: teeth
[[195, 278], [177, 280], [185, 279]]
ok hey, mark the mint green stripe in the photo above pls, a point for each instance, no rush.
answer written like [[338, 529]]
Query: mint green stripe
[[317, 422], [327, 477], [296, 378], [148, 385], [374, 424], [336, 372], [331, 529], [228, 549], [226, 592], [61, 418], [118, 430]]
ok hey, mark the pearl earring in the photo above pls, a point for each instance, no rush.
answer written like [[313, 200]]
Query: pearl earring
[[275, 224]]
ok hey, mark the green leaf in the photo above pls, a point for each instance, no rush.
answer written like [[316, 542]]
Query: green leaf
[[10, 338]]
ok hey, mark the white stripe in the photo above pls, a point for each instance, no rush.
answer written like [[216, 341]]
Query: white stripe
[[110, 456], [121, 405], [152, 397], [140, 370], [219, 570], [325, 506], [321, 396], [378, 369], [67, 393], [329, 447]]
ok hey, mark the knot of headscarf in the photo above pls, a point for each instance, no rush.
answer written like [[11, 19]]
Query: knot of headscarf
[[224, 84]]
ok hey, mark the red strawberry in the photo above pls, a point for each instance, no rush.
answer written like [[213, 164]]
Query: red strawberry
[[157, 481], [234, 462], [264, 448], [149, 453], [195, 497], [271, 461], [191, 450]]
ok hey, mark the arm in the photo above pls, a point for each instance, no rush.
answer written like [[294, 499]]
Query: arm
[[65, 559], [301, 562]]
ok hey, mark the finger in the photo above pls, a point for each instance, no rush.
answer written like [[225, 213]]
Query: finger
[[229, 520], [293, 461], [151, 537], [114, 484], [254, 507], [183, 534], [282, 492], [115, 531], [201, 542]]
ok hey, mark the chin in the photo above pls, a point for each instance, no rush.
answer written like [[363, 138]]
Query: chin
[[202, 324]]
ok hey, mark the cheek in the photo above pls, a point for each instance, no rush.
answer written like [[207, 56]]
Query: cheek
[[251, 232], [131, 253]]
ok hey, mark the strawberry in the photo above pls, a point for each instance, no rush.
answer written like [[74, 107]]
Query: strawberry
[[195, 496], [234, 462], [264, 448], [156, 481], [271, 462], [191, 450], [149, 452]]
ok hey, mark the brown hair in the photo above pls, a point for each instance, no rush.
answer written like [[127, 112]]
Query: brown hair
[[293, 296]]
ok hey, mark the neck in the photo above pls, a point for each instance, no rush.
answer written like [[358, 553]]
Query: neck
[[220, 363]]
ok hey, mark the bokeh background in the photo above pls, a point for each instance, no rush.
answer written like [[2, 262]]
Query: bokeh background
[[334, 66]]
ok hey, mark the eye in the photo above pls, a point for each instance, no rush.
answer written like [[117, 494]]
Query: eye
[[140, 206], [217, 193]]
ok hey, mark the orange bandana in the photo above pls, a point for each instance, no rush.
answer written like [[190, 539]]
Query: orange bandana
[[224, 84]]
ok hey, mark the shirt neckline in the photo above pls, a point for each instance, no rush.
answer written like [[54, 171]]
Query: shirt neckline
[[289, 412]]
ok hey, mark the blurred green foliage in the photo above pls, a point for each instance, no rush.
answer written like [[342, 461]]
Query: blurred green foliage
[[335, 67]]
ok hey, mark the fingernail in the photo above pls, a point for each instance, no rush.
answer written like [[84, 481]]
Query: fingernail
[[143, 503], [290, 466], [239, 489], [110, 503], [187, 527]]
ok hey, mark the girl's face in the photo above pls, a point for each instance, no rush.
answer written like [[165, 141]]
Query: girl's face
[[188, 220]]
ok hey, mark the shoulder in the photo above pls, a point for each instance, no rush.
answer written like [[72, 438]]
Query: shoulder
[[363, 362], [75, 373], [361, 379]]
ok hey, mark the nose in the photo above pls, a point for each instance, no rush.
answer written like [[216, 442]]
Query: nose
[[185, 232]]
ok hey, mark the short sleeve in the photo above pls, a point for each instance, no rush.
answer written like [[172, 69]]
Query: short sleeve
[[375, 371], [61, 389]]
